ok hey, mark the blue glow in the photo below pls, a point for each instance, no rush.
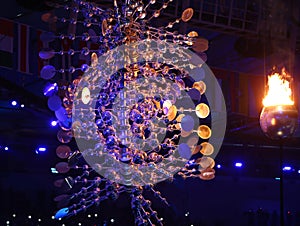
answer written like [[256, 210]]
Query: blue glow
[[54, 123], [287, 168], [50, 89], [238, 164], [42, 149], [219, 166], [277, 178], [22, 105], [6, 148], [14, 103], [298, 171], [53, 170]]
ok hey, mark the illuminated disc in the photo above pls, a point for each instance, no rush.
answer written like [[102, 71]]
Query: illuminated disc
[[166, 105], [196, 149], [200, 44], [85, 95], [54, 103], [194, 94], [178, 119], [207, 148], [63, 151], [62, 167], [192, 141], [207, 174], [187, 14], [48, 72], [172, 112], [61, 114], [185, 133], [184, 151], [202, 110], [193, 34], [187, 123], [64, 136], [204, 132], [206, 162], [46, 54], [201, 86], [104, 27]]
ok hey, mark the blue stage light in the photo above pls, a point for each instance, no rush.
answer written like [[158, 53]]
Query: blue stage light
[[14, 103], [238, 164]]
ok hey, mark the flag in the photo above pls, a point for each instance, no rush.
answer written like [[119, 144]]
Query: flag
[[6, 43], [23, 48]]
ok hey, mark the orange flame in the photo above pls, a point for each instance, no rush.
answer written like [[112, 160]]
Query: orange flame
[[279, 90]]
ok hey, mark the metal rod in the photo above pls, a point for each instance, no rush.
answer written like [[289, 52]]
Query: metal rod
[[281, 186]]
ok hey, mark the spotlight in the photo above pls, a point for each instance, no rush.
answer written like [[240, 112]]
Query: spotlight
[[6, 148], [277, 178], [22, 105], [238, 164], [112, 220], [42, 149], [54, 123], [14, 215], [89, 216], [219, 166], [29, 217], [7, 222], [39, 220], [286, 168], [299, 171], [14, 103]]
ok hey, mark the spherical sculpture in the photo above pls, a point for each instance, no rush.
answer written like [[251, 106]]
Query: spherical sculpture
[[279, 122]]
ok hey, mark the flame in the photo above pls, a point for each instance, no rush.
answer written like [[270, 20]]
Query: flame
[[279, 90]]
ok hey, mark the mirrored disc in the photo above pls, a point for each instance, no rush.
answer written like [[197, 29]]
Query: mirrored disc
[[192, 34], [187, 14], [193, 140], [202, 110], [63, 151], [200, 44], [178, 119], [54, 103], [46, 54], [204, 132], [184, 151], [194, 94], [48, 72], [201, 86], [64, 136], [93, 35], [206, 162], [187, 123], [172, 112], [47, 36], [85, 95], [207, 174], [61, 114], [62, 167], [196, 149], [207, 148]]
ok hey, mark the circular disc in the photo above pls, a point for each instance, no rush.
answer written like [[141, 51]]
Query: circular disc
[[46, 54], [93, 35], [172, 112], [192, 141], [204, 132], [178, 119], [48, 72], [85, 95], [184, 151], [64, 136], [200, 44], [207, 148], [62, 167], [166, 105], [63, 151], [54, 103], [104, 27], [201, 86], [187, 14], [61, 114], [202, 110], [206, 162], [187, 123], [193, 34], [194, 94], [207, 174]]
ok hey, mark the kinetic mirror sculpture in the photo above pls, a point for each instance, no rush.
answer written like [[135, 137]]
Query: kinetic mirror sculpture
[[143, 108]]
